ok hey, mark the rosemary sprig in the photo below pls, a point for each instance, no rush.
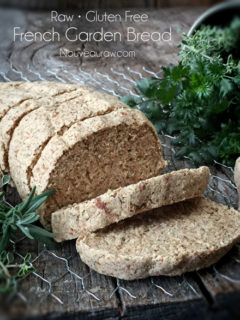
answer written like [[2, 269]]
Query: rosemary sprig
[[15, 221], [22, 218], [11, 272]]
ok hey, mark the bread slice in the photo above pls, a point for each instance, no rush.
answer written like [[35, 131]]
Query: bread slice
[[170, 241], [115, 205], [237, 178], [39, 126], [53, 92], [97, 154]]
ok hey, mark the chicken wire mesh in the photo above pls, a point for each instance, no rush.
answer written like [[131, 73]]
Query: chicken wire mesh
[[221, 188]]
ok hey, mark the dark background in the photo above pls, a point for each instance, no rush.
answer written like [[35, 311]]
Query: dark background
[[71, 4]]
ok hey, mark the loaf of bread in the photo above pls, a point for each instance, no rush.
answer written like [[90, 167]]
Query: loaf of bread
[[168, 241], [75, 140], [115, 205], [97, 154], [237, 178], [104, 160], [54, 117]]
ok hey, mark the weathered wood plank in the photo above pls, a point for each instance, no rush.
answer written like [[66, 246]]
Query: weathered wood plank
[[224, 276], [159, 290], [62, 283], [223, 283]]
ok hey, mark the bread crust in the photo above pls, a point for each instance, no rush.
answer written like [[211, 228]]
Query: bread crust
[[171, 240], [116, 205]]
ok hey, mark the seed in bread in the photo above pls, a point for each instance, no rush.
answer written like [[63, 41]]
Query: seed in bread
[[97, 154], [170, 241], [115, 205]]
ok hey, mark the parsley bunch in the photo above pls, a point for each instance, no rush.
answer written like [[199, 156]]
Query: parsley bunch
[[198, 100], [15, 222]]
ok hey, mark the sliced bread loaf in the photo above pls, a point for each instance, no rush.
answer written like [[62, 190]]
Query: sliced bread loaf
[[169, 241], [39, 126], [51, 92], [97, 154], [237, 179], [115, 205]]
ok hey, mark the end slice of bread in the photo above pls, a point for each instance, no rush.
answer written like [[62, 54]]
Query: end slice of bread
[[170, 241], [115, 205]]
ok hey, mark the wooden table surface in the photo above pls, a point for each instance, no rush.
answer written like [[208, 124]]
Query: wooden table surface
[[63, 286]]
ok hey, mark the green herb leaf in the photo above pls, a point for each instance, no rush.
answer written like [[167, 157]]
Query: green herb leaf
[[131, 101], [24, 205], [147, 87], [5, 180], [21, 217], [43, 236], [225, 86], [37, 201]]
